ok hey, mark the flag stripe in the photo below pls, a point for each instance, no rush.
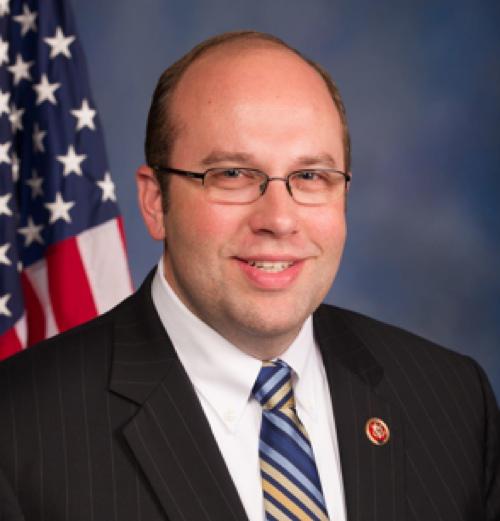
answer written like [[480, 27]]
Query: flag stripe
[[35, 316], [9, 343], [22, 331], [70, 292], [38, 277], [102, 253]]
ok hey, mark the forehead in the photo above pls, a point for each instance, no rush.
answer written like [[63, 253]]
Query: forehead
[[248, 71], [264, 101]]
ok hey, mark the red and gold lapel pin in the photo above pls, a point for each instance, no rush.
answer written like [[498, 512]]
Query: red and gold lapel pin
[[377, 431]]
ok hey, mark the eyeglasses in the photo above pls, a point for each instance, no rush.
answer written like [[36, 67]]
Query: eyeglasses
[[245, 185]]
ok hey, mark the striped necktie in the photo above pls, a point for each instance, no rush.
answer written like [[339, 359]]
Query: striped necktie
[[290, 481]]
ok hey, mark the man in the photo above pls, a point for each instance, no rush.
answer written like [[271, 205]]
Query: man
[[223, 390]]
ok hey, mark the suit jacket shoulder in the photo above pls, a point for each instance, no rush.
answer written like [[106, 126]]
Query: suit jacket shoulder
[[444, 451]]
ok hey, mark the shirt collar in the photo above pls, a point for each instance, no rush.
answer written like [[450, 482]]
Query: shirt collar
[[223, 374]]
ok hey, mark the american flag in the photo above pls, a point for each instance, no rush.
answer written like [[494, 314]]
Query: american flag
[[62, 246]]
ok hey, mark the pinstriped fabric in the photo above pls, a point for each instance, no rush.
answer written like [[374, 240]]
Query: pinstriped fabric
[[290, 480], [145, 432]]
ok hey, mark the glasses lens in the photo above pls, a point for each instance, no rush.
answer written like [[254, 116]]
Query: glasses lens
[[317, 186], [233, 185]]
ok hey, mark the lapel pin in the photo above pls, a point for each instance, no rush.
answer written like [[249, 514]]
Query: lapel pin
[[377, 431]]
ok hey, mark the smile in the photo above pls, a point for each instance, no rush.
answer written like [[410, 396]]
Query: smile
[[271, 266]]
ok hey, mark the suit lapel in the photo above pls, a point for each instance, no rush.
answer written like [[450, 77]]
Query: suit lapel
[[169, 435], [373, 476]]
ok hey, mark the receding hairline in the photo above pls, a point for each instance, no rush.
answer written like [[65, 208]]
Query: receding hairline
[[235, 43], [162, 130]]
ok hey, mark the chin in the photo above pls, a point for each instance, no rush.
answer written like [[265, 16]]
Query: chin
[[273, 321]]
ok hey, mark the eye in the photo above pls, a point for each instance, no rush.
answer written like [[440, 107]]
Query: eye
[[308, 175], [231, 173]]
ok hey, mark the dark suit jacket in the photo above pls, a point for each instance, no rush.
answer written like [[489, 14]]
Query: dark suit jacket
[[102, 423]]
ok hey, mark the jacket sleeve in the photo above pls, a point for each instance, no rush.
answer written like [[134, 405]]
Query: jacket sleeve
[[491, 450], [9, 506]]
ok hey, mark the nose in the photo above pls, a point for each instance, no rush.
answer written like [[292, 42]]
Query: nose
[[275, 212]]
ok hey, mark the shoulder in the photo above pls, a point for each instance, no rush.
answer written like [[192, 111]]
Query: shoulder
[[67, 351], [408, 360], [383, 339]]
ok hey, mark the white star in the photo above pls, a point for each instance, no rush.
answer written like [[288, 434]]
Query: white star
[[38, 136], [35, 183], [71, 161], [31, 232], [16, 118], [85, 116], [3, 254], [108, 188], [4, 310], [20, 69], [60, 44], [4, 152], [45, 90], [4, 202], [15, 167], [27, 20], [59, 209], [4, 102], [4, 7], [19, 266], [4, 51]]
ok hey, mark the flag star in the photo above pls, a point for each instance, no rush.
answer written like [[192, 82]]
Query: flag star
[[4, 51], [3, 254], [31, 232], [60, 44], [4, 102], [35, 183], [4, 7], [27, 20], [15, 167], [4, 310], [20, 69], [108, 188], [71, 161], [4, 152], [38, 136], [19, 266], [59, 209], [4, 204], [85, 116], [16, 118], [45, 90]]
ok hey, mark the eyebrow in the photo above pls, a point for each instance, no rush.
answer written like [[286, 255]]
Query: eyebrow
[[323, 159], [219, 156]]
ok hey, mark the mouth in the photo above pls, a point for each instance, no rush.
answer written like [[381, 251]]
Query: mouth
[[271, 273], [270, 266]]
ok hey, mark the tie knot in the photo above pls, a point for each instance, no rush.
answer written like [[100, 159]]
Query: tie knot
[[273, 387]]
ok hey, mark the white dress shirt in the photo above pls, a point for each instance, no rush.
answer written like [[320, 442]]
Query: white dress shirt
[[223, 377]]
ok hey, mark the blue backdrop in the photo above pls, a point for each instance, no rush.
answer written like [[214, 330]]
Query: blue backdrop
[[421, 82]]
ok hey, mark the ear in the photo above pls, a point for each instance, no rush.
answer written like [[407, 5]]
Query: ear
[[150, 202]]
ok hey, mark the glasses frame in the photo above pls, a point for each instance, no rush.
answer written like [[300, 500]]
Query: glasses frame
[[264, 184]]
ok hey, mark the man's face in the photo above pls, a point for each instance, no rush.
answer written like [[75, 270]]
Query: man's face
[[264, 109]]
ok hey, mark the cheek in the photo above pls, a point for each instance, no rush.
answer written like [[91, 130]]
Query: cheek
[[196, 226], [327, 228]]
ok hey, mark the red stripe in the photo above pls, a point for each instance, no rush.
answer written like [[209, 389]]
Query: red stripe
[[35, 315], [69, 288], [9, 344]]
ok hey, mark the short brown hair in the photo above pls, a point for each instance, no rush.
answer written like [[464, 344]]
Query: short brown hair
[[161, 131]]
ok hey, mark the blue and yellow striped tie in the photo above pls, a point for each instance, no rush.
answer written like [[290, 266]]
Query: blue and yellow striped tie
[[290, 481]]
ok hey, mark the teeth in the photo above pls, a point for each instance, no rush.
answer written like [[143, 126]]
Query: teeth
[[271, 266]]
